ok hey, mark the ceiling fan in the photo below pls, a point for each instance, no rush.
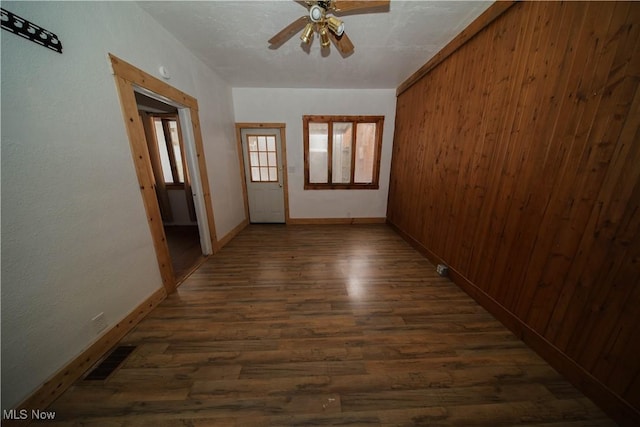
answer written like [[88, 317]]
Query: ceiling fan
[[329, 28]]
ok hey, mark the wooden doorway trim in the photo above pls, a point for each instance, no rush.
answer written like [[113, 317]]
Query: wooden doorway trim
[[285, 180], [127, 79]]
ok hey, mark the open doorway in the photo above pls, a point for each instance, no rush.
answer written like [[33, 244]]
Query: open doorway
[[172, 183], [129, 81]]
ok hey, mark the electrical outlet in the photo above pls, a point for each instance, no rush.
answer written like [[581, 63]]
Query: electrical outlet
[[99, 323], [442, 270]]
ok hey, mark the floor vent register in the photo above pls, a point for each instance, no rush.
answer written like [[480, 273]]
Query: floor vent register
[[110, 364]]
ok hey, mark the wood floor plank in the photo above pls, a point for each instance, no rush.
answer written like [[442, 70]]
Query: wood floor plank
[[323, 325]]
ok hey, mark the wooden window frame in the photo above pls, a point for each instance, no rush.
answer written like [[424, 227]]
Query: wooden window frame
[[165, 118], [330, 120]]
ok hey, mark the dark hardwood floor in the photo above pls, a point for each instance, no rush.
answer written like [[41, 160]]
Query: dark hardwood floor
[[184, 247], [324, 325]]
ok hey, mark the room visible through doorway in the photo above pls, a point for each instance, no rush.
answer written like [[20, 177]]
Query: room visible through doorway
[[172, 183]]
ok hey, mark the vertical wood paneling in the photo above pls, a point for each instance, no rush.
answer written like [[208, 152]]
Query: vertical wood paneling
[[540, 93], [517, 162], [583, 178], [490, 233]]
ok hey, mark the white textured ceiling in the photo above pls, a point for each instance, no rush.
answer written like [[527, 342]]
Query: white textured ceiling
[[231, 37]]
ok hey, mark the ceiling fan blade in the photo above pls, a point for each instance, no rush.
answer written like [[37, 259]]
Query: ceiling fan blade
[[342, 6], [289, 31], [306, 3], [343, 43]]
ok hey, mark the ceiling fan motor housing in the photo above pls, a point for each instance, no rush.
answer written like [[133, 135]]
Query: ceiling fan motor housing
[[326, 5]]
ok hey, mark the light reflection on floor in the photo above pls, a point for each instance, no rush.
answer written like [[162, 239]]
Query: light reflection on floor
[[355, 288]]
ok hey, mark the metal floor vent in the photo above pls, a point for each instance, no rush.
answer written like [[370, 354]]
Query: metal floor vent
[[110, 363]]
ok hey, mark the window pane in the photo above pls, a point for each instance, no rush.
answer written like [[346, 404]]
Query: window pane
[[365, 152], [341, 169], [162, 149], [271, 143], [175, 142], [254, 159], [318, 153], [253, 143], [263, 159], [272, 159]]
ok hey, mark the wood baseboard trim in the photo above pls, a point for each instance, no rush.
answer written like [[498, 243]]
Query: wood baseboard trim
[[65, 377], [615, 406], [326, 221], [233, 233]]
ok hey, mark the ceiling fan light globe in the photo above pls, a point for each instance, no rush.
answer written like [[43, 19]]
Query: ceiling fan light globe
[[316, 13], [335, 25], [324, 37], [307, 34]]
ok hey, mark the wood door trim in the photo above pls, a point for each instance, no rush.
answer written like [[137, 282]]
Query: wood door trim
[[142, 164], [156, 166], [127, 76], [285, 184], [283, 149], [244, 125]]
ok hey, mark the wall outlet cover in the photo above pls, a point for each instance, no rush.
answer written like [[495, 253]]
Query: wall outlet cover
[[99, 323], [442, 270]]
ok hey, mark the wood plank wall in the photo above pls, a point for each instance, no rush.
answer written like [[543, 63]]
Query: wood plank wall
[[517, 162]]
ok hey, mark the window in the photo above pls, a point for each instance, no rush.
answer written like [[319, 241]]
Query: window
[[342, 152], [166, 130], [263, 159]]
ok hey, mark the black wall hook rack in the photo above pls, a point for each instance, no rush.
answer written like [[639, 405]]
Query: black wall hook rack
[[30, 31]]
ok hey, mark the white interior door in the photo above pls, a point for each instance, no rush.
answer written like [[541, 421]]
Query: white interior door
[[262, 151]]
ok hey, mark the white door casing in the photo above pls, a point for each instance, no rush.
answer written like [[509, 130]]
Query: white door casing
[[263, 171]]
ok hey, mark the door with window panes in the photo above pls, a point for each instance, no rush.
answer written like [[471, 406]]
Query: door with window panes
[[262, 151]]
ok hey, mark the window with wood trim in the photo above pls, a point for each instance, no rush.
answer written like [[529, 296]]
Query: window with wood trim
[[342, 152], [167, 161], [166, 130]]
